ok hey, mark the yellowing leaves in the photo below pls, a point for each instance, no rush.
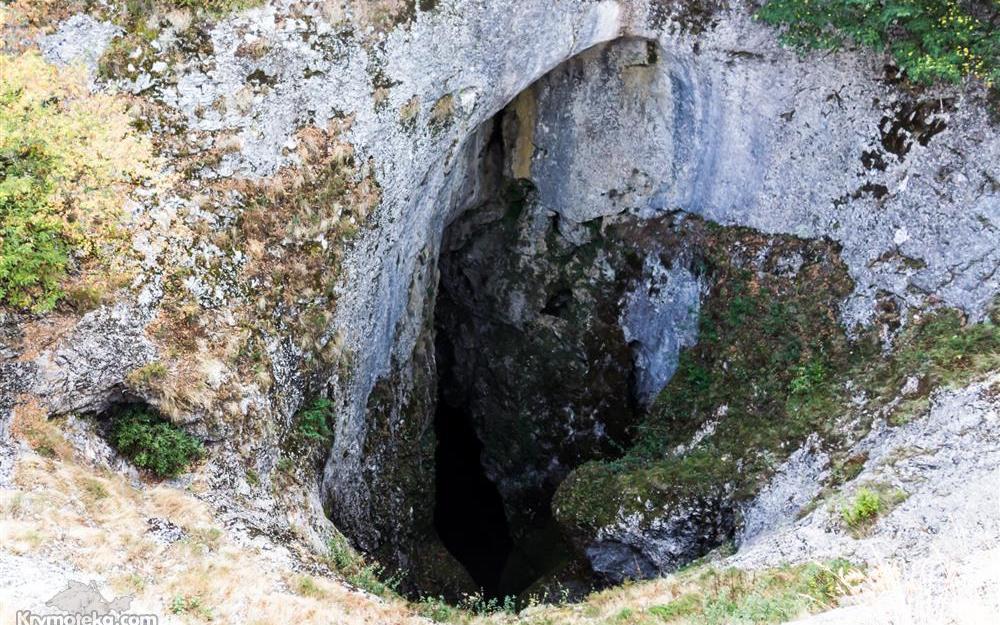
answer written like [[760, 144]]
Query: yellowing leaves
[[70, 160], [97, 158]]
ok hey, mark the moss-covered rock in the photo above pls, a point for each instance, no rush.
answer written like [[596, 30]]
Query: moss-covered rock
[[772, 367], [755, 385]]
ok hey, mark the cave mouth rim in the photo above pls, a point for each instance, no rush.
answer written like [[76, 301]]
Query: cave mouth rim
[[493, 124]]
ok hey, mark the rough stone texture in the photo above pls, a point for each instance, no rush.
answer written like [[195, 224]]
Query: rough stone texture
[[14, 379], [946, 461], [636, 548], [735, 132], [659, 319], [723, 124], [79, 40], [941, 543], [793, 486], [86, 372]]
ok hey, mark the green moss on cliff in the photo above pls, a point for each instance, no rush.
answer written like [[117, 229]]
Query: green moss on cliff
[[772, 366], [740, 400]]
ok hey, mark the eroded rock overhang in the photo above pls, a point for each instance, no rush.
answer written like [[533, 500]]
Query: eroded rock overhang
[[724, 124]]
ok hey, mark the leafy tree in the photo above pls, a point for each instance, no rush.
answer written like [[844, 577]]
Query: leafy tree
[[929, 39], [33, 250]]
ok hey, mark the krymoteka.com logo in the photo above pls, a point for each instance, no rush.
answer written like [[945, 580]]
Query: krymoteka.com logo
[[83, 604]]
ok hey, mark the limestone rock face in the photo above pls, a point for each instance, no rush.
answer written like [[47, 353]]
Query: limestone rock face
[[618, 113]]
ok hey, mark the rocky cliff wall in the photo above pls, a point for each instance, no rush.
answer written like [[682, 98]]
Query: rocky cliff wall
[[255, 300]]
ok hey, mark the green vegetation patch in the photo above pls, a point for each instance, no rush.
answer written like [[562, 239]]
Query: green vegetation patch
[[930, 40], [770, 596], [153, 443], [772, 366], [34, 252], [863, 509], [68, 159], [760, 378], [312, 422], [370, 577]]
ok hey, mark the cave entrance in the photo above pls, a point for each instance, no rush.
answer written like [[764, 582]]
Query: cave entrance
[[535, 374], [535, 377]]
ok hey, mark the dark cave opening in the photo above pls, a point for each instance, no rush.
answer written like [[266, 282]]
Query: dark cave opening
[[528, 391], [468, 509], [503, 560]]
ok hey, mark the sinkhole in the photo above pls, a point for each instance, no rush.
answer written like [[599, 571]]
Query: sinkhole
[[524, 370], [534, 378]]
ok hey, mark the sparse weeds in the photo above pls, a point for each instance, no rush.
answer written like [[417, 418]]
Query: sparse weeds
[[94, 489], [437, 610], [356, 570], [83, 298], [192, 605], [862, 510], [777, 595], [147, 375], [480, 605], [306, 586]]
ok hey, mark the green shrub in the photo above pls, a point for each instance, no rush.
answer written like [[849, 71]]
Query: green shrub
[[863, 509], [929, 39], [808, 378], [868, 504], [68, 160], [311, 423], [33, 251], [153, 443]]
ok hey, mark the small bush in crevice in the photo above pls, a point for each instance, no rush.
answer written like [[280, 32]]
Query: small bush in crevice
[[868, 504], [153, 443], [312, 421], [356, 570], [863, 509]]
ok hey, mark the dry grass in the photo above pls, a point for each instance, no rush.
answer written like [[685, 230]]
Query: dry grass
[[61, 511], [932, 591], [381, 15]]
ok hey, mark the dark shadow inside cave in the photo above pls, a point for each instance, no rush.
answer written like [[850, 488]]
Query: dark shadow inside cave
[[535, 373], [468, 512], [530, 394]]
